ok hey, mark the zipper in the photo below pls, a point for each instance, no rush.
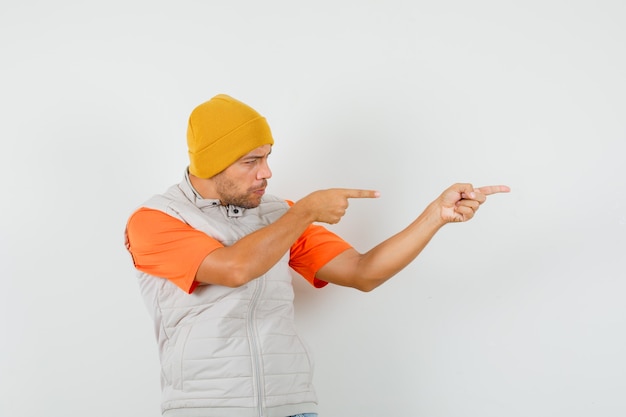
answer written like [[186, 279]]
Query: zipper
[[254, 344]]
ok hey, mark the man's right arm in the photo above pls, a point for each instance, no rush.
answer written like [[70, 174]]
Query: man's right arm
[[166, 247], [254, 254]]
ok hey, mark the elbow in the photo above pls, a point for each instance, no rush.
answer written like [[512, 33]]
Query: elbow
[[364, 288], [237, 276], [234, 275], [367, 285], [370, 283], [235, 282]]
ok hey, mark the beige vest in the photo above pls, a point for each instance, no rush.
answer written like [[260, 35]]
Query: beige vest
[[228, 352]]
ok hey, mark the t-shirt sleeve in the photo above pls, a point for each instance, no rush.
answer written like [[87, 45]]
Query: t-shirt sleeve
[[314, 249], [166, 247]]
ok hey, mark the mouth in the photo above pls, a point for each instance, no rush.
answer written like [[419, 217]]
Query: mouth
[[261, 189]]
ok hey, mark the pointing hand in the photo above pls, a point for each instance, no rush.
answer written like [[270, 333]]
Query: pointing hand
[[329, 206], [459, 202]]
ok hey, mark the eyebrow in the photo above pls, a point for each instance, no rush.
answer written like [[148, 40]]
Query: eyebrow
[[256, 156]]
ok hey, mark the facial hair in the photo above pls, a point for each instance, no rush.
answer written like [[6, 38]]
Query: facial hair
[[227, 190]]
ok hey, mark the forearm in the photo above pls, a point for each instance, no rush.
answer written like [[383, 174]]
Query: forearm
[[392, 255], [254, 254], [369, 270]]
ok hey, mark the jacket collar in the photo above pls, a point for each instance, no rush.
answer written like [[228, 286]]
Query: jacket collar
[[194, 196]]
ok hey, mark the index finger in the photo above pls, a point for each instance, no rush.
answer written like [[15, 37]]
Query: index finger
[[493, 189], [354, 193]]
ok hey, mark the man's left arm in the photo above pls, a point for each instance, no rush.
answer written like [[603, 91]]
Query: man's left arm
[[366, 271]]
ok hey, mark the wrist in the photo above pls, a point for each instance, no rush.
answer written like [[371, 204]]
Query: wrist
[[301, 213], [434, 216]]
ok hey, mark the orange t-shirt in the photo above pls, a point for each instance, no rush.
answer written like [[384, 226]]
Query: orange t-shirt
[[164, 246]]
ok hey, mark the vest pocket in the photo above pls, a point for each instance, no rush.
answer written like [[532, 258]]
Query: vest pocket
[[176, 372]]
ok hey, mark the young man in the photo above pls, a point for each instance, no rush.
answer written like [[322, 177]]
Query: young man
[[215, 256]]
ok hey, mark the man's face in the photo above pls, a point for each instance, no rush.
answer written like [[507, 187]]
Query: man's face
[[243, 183]]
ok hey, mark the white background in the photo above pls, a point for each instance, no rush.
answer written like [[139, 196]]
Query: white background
[[519, 312]]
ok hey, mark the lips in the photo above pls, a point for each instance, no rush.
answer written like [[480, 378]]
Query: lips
[[261, 189]]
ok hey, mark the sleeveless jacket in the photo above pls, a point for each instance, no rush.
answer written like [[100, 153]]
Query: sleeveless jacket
[[228, 352]]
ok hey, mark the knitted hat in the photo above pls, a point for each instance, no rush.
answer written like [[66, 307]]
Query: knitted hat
[[221, 131]]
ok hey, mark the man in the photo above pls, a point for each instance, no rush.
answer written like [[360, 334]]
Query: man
[[215, 256]]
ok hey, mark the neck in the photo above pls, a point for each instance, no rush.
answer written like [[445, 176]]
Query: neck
[[204, 186]]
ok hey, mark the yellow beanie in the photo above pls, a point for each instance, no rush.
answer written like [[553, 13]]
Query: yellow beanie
[[221, 131]]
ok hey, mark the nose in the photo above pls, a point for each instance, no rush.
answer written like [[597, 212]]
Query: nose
[[264, 171]]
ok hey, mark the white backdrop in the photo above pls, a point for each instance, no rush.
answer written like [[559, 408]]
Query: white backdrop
[[519, 312]]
